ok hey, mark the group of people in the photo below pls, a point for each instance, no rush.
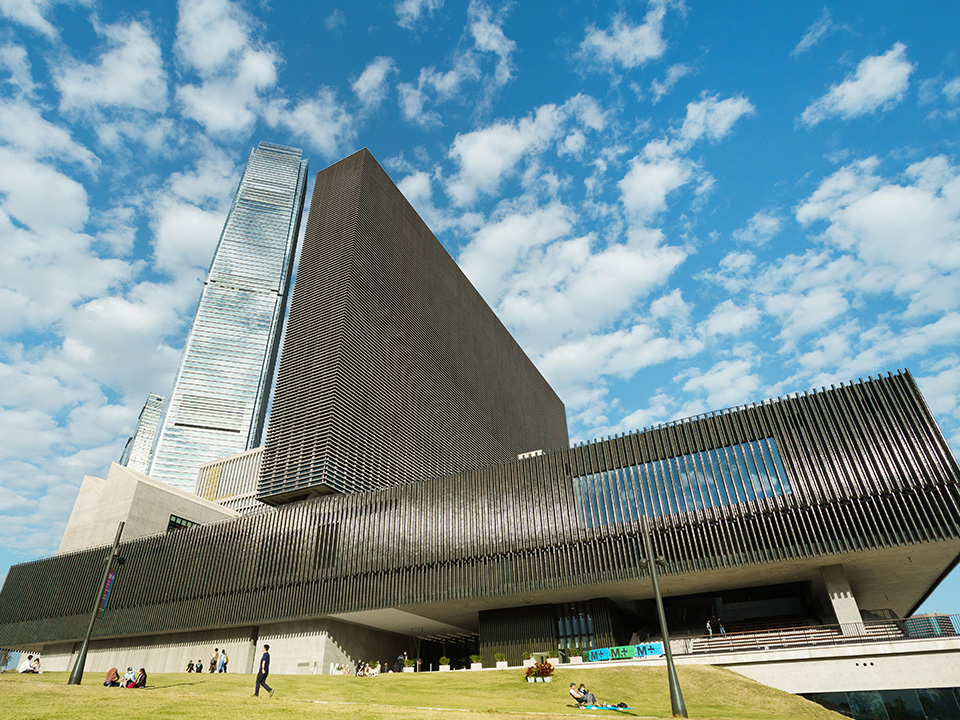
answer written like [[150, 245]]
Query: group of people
[[30, 664], [130, 679], [714, 625], [218, 662], [363, 669]]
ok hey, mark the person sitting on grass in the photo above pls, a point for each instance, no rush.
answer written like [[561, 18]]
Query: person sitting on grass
[[26, 666], [128, 679], [113, 678], [141, 681], [581, 695]]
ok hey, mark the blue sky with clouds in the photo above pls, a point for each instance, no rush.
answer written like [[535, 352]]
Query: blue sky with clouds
[[674, 206]]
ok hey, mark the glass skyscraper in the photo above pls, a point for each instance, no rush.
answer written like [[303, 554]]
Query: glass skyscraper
[[219, 400], [137, 453]]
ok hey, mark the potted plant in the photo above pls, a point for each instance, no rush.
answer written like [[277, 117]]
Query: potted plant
[[476, 662], [527, 660], [501, 660], [444, 663], [540, 672], [408, 665], [575, 655]]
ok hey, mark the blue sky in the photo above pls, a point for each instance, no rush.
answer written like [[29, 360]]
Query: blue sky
[[674, 206]]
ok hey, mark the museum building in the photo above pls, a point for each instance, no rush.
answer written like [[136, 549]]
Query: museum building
[[403, 518]]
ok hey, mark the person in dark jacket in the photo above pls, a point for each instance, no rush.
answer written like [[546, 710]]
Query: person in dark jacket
[[262, 672]]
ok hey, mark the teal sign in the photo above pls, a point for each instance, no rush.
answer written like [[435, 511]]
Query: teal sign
[[625, 652]]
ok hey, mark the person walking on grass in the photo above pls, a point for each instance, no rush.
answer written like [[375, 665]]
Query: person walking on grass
[[262, 673]]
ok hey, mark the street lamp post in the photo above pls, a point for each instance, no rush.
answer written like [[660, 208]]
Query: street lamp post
[[676, 695], [114, 558]]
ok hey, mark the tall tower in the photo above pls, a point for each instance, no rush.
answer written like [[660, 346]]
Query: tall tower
[[219, 400], [394, 369], [137, 453]]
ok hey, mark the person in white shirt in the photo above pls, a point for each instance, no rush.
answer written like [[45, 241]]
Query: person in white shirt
[[26, 665]]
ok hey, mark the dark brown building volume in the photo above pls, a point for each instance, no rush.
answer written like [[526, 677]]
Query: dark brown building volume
[[394, 369]]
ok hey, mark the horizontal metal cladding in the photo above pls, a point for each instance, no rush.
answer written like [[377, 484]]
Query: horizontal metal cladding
[[394, 369], [865, 464]]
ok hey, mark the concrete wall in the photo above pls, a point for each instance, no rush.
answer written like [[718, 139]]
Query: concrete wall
[[165, 653], [872, 666], [305, 648], [144, 504]]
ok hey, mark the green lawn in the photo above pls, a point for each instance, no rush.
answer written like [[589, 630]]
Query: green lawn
[[709, 693]]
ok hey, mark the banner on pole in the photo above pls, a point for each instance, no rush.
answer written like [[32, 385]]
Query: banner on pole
[[106, 592]]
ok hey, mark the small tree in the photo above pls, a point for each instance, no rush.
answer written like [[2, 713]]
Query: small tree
[[499, 657]]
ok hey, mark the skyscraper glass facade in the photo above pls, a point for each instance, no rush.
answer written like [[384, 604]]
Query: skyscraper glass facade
[[219, 400], [139, 450]]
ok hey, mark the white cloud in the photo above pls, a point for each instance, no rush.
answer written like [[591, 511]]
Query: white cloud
[[487, 155], [951, 90], [335, 19], [214, 39], [712, 118], [728, 383], [626, 44], [25, 189], [321, 121], [485, 35], [33, 13], [620, 353], [912, 224], [728, 318], [488, 36], [879, 83], [23, 127], [371, 87], [412, 101], [674, 74], [648, 182], [820, 28], [13, 59], [493, 255], [759, 229], [409, 12], [129, 73]]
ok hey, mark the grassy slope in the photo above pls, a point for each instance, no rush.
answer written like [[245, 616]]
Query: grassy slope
[[709, 693]]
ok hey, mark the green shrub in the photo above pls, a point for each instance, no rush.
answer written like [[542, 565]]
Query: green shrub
[[574, 652], [499, 657], [409, 662], [526, 656], [444, 660], [476, 658]]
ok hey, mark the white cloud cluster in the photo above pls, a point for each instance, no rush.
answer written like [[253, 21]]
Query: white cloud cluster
[[879, 83], [485, 35], [626, 44], [33, 13], [409, 12], [371, 86], [322, 120], [759, 230], [215, 40], [820, 28], [659, 88], [661, 168], [128, 74]]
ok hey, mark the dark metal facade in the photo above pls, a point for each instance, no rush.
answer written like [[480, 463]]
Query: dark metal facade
[[866, 465], [394, 369]]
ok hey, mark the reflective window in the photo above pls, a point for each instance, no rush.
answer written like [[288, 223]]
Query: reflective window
[[710, 478]]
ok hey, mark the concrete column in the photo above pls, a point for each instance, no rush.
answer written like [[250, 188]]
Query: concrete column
[[841, 599]]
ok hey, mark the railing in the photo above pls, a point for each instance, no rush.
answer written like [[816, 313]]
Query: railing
[[868, 631]]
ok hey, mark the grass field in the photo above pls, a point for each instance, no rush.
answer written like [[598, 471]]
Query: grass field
[[709, 693]]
